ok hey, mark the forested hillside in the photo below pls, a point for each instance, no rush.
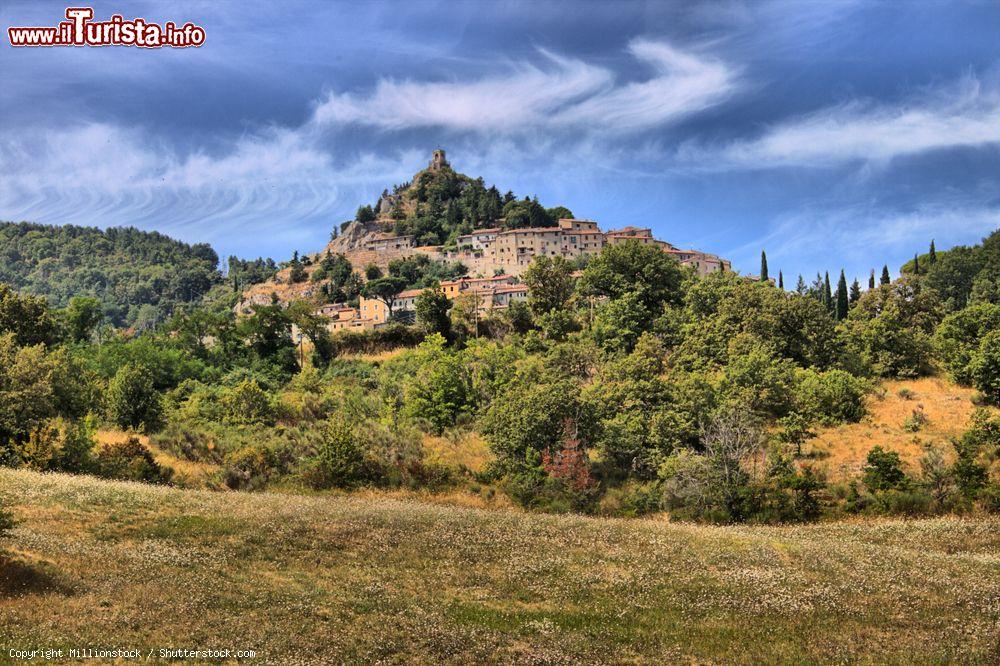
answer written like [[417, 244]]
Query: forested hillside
[[138, 276], [630, 386]]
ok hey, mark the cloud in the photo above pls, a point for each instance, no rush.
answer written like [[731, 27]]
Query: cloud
[[964, 115], [563, 93], [272, 181]]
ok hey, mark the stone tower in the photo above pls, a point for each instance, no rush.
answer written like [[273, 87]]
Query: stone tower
[[438, 160]]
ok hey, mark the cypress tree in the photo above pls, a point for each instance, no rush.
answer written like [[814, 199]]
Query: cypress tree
[[933, 253], [842, 297], [763, 266], [856, 290], [885, 275], [871, 280], [827, 292], [781, 281], [916, 265], [800, 287]]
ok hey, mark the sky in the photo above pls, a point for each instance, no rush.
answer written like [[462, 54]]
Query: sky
[[830, 134]]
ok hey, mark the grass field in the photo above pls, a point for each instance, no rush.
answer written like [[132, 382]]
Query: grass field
[[347, 579]]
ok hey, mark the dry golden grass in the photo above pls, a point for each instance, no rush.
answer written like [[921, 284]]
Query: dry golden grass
[[353, 579], [460, 449], [841, 451]]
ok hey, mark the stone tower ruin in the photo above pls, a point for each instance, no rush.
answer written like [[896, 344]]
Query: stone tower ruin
[[438, 160]]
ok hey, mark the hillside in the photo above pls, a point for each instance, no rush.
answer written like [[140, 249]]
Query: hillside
[[346, 579], [840, 451], [139, 276]]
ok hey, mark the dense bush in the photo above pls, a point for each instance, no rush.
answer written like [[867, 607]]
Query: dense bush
[[130, 460], [831, 397]]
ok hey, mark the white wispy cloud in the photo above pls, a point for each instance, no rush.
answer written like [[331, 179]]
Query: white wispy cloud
[[266, 182], [963, 115], [561, 93]]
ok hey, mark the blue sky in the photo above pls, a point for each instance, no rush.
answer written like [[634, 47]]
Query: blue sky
[[832, 134]]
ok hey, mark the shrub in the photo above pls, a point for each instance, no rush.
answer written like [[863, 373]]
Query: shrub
[[250, 467], [906, 394], [531, 487], [339, 461], [833, 396], [884, 470], [247, 403], [916, 420], [130, 460]]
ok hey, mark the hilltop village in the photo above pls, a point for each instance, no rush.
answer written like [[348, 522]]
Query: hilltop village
[[490, 258]]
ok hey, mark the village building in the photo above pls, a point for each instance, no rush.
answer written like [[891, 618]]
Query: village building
[[383, 242]]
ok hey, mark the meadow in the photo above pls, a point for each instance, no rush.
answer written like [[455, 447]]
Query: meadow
[[352, 578]]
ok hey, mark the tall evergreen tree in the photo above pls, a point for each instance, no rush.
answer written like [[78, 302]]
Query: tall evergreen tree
[[781, 281], [871, 280], [856, 290], [763, 266], [916, 265], [800, 286], [842, 298], [932, 253], [885, 275], [827, 292]]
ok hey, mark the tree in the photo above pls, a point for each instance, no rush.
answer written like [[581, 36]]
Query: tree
[[890, 328], [885, 275], [432, 308], [763, 266], [372, 272], [550, 284], [384, 289], [932, 255], [81, 317], [794, 429], [645, 270], [729, 439], [440, 392], [298, 271], [781, 281], [842, 297], [984, 367], [828, 293], [132, 402], [620, 322], [871, 280], [365, 214], [529, 415], [800, 286], [27, 317], [26, 394], [855, 292], [916, 265]]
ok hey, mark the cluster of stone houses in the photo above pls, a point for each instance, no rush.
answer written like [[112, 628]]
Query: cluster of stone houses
[[485, 295], [485, 251]]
